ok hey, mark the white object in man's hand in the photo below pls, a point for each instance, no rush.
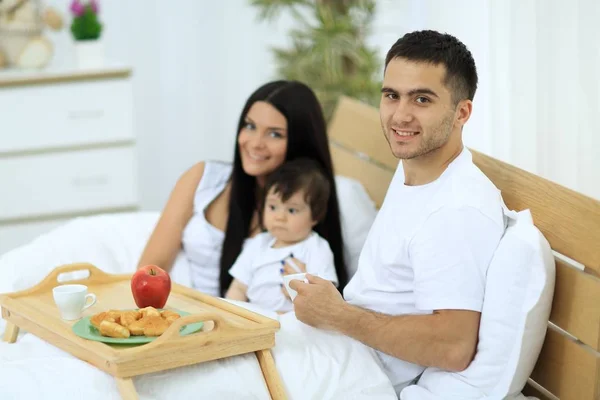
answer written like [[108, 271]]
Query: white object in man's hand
[[291, 266], [288, 278]]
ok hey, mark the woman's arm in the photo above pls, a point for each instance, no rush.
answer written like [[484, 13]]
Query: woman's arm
[[237, 291], [165, 241]]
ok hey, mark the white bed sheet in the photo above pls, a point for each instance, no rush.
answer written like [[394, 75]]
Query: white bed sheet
[[313, 364]]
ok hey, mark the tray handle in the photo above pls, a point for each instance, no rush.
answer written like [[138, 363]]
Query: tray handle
[[172, 333], [95, 276], [51, 280]]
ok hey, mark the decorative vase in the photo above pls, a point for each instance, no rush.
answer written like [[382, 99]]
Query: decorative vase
[[89, 54]]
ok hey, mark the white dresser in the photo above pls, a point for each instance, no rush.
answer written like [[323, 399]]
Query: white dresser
[[67, 148]]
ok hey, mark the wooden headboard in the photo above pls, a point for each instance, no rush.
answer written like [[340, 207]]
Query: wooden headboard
[[569, 365]]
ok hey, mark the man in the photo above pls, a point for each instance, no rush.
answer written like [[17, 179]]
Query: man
[[418, 292]]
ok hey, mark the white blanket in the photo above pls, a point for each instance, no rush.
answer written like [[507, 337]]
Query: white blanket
[[313, 364]]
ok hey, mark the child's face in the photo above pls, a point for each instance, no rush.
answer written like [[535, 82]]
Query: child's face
[[289, 222]]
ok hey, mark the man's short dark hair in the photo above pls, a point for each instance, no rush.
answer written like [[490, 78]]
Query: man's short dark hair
[[302, 174], [440, 48]]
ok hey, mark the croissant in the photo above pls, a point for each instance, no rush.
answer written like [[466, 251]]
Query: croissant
[[98, 318], [115, 315], [129, 317], [136, 328], [112, 329], [155, 326], [166, 313], [149, 312], [170, 316], [95, 320]]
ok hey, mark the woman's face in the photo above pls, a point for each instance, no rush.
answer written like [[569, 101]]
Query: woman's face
[[263, 140]]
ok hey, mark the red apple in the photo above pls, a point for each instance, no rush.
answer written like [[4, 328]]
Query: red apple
[[150, 286]]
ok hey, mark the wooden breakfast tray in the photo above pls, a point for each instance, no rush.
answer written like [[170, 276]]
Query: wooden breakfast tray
[[228, 329]]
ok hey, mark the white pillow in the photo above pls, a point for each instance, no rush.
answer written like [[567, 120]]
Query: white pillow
[[518, 297], [357, 213]]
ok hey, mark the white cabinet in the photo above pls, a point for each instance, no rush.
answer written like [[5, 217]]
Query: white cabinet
[[69, 114], [67, 183], [67, 148]]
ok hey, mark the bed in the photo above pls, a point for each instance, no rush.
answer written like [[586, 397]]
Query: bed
[[314, 364]]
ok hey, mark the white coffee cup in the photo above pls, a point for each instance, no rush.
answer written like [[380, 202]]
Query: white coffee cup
[[291, 277], [71, 300]]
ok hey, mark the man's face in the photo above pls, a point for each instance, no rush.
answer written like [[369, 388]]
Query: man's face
[[417, 111]]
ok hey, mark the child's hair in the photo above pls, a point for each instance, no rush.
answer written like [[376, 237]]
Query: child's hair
[[301, 174]]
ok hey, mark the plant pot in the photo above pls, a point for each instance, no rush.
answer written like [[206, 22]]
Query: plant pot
[[89, 54]]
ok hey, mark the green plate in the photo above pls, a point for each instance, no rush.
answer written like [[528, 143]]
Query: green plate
[[86, 330]]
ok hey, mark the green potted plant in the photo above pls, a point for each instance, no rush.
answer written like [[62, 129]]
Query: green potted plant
[[86, 29], [328, 48]]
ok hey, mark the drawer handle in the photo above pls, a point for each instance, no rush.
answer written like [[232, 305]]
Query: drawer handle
[[90, 181], [86, 114]]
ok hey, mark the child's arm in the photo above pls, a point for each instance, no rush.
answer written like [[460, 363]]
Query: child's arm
[[237, 291], [241, 271]]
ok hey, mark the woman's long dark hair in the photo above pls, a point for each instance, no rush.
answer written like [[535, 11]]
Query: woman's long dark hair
[[307, 137]]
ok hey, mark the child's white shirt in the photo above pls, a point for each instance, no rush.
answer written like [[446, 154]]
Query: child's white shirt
[[259, 267]]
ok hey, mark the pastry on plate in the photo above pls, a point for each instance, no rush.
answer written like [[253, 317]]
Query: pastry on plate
[[112, 329], [125, 323], [114, 315], [155, 326], [149, 312], [96, 319], [129, 317], [103, 316], [170, 316], [137, 328]]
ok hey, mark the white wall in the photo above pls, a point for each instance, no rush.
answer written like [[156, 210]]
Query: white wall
[[399, 17], [195, 63], [538, 100]]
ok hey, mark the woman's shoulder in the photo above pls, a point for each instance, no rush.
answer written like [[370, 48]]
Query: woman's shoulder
[[189, 180], [217, 170], [211, 174], [217, 165]]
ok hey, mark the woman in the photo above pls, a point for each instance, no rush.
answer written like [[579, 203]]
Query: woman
[[214, 206]]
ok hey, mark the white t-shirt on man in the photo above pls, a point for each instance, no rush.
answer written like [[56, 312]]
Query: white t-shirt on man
[[258, 267], [429, 249]]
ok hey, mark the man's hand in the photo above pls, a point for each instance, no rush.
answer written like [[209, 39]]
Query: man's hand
[[287, 269], [318, 302]]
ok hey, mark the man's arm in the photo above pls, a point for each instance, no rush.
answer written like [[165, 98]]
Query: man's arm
[[446, 339]]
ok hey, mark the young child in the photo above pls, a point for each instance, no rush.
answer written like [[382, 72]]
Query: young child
[[295, 200]]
